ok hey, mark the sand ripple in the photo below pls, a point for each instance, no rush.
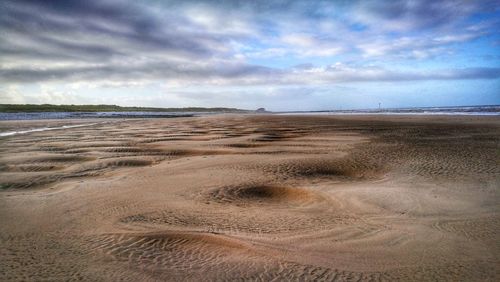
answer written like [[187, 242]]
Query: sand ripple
[[260, 198]]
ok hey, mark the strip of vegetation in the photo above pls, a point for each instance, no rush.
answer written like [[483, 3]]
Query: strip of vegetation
[[18, 108]]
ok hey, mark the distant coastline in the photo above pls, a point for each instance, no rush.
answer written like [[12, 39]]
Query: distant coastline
[[32, 108]]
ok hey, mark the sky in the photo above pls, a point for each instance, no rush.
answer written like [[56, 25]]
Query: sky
[[280, 55]]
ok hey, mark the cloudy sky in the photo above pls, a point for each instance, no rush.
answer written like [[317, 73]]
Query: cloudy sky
[[282, 55]]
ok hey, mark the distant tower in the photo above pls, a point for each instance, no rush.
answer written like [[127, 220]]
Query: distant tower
[[379, 106]]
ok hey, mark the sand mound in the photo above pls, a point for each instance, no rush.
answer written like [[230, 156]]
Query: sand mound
[[51, 148], [34, 182], [244, 220], [130, 162], [30, 167], [181, 251], [59, 159], [261, 193], [145, 151], [129, 150], [486, 229], [276, 136], [244, 145], [340, 169], [78, 151]]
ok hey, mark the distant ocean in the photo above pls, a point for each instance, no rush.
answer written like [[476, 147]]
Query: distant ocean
[[467, 110], [90, 115]]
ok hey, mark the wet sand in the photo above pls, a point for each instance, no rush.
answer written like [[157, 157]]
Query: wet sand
[[227, 197]]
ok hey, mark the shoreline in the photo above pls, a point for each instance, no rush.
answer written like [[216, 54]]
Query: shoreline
[[26, 126]]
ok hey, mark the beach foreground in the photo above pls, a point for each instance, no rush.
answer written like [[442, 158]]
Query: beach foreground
[[253, 197]]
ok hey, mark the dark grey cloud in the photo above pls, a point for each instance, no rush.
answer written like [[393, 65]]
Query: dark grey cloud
[[422, 14], [240, 74], [56, 48], [148, 71], [441, 74], [409, 14], [94, 30]]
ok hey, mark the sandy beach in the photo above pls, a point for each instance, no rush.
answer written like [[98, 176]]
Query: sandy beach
[[252, 197]]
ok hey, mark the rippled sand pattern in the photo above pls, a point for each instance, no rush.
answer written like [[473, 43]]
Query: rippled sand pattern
[[260, 198]]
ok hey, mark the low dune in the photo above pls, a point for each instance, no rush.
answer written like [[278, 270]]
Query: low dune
[[252, 197]]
